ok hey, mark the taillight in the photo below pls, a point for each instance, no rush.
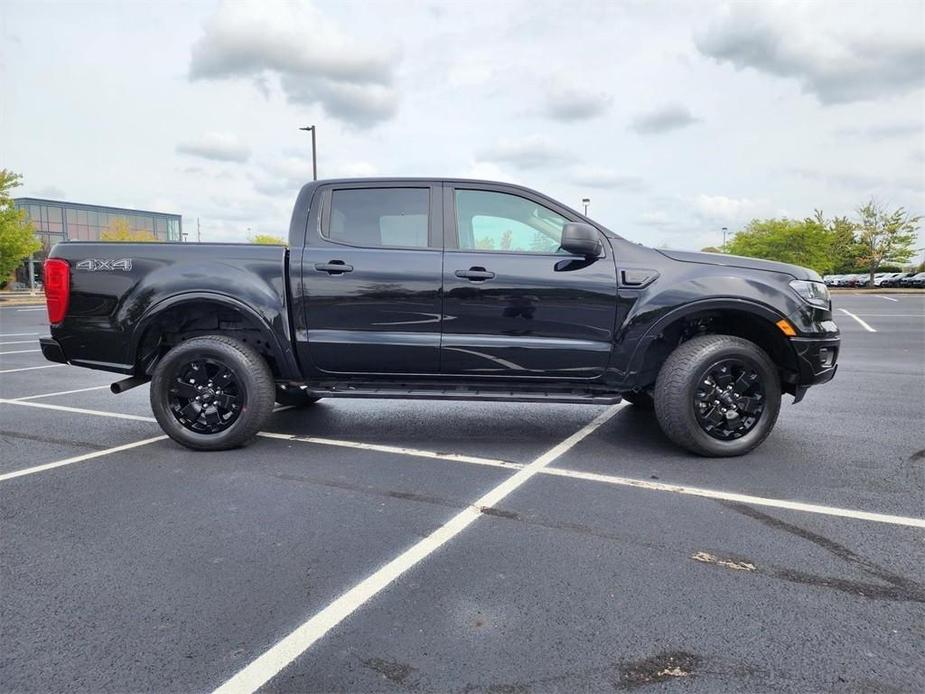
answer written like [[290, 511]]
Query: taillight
[[57, 281]]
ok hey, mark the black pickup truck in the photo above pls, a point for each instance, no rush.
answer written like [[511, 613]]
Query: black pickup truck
[[442, 289]]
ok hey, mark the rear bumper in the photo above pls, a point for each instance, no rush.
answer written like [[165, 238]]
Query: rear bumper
[[52, 351]]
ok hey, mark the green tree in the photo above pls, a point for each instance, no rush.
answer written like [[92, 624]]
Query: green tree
[[119, 230], [805, 242], [17, 235], [267, 239], [885, 236], [845, 251]]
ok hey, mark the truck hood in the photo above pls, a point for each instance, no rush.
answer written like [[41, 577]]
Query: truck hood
[[800, 273]]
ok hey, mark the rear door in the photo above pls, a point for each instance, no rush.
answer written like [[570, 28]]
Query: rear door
[[515, 305], [372, 274]]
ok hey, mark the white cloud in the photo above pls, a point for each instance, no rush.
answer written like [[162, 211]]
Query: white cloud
[[725, 209], [530, 152], [487, 171], [315, 60], [355, 169], [656, 218], [605, 178], [566, 102], [282, 176], [663, 119], [886, 131], [49, 192], [836, 61], [217, 147]]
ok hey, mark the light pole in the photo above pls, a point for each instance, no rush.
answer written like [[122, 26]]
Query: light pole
[[314, 161], [724, 239], [586, 202]]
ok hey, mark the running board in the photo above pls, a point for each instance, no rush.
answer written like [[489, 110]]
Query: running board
[[455, 394]]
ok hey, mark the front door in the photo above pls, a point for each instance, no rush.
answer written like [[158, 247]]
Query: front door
[[515, 305], [371, 272]]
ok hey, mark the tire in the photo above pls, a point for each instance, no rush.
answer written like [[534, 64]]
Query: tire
[[641, 399], [294, 397], [247, 398], [686, 378]]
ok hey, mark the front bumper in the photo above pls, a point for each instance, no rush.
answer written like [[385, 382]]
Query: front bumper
[[816, 358], [817, 362], [52, 351]]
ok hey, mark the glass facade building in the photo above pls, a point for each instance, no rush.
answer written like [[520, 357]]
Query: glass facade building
[[56, 221]]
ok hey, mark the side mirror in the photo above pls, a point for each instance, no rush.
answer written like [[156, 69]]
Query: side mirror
[[581, 239]]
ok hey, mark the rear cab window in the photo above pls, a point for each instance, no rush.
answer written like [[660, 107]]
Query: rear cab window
[[395, 217]]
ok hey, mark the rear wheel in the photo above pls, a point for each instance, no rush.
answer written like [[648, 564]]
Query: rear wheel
[[717, 395], [294, 397], [212, 393]]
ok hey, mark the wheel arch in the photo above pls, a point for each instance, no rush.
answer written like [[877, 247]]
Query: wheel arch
[[743, 318], [191, 314]]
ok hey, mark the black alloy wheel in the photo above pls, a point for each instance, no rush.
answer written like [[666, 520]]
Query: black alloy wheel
[[205, 396], [718, 395], [212, 393], [730, 399]]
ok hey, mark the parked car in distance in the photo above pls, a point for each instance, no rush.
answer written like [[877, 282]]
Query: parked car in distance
[[917, 280], [896, 279], [442, 289], [851, 280]]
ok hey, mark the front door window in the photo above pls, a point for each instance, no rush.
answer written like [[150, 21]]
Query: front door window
[[490, 221]]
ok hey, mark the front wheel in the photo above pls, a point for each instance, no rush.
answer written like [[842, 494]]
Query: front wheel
[[212, 393], [717, 395]]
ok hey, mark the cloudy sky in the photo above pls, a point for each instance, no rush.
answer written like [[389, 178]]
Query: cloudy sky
[[675, 118]]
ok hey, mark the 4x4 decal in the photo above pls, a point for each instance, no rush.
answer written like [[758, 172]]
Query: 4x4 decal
[[101, 264]]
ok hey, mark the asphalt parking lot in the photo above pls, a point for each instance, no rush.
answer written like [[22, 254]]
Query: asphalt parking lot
[[366, 545]]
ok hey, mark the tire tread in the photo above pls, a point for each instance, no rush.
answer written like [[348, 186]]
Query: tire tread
[[671, 384]]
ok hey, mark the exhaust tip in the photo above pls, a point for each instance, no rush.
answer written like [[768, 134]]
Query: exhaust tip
[[128, 383]]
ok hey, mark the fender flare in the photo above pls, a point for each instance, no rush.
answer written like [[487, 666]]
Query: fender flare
[[763, 311], [283, 353]]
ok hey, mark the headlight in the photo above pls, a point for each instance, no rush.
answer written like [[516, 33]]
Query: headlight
[[815, 293]]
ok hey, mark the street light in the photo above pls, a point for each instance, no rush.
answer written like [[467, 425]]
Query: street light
[[586, 202], [314, 162], [724, 239]]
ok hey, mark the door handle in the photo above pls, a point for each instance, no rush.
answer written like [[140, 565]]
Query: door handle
[[335, 267], [475, 274]]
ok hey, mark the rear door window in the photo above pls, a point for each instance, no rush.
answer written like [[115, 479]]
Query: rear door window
[[380, 217]]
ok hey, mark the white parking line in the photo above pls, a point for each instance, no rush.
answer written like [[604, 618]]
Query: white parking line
[[60, 392], [863, 324], [558, 472], [20, 351], [17, 334], [743, 498], [32, 368], [888, 298], [269, 664], [395, 449], [31, 309], [19, 342], [631, 482], [78, 410], [78, 459]]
